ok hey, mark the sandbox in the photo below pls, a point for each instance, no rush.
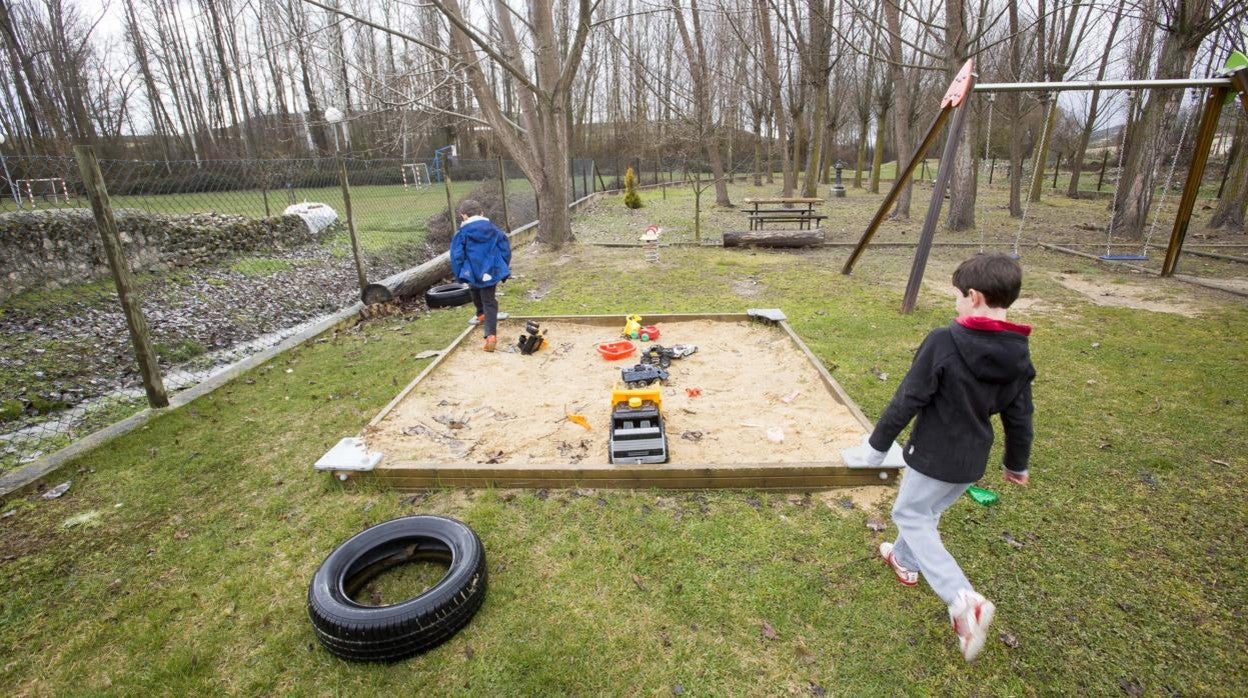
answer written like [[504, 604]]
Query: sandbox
[[751, 408]]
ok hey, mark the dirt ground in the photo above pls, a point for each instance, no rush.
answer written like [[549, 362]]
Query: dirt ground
[[756, 386]]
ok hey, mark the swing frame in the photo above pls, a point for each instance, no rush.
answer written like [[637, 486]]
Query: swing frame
[[955, 103]]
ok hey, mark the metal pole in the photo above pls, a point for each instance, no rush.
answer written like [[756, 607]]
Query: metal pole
[[102, 208], [1200, 156], [8, 179], [943, 176], [346, 199], [1099, 85]]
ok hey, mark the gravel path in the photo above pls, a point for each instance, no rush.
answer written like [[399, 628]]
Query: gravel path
[[66, 355]]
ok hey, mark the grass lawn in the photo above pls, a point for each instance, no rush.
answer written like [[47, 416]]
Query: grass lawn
[[178, 561]]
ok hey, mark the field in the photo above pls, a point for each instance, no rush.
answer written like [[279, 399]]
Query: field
[[178, 560]]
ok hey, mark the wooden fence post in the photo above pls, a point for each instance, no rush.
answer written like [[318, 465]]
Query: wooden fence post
[[102, 208], [346, 200]]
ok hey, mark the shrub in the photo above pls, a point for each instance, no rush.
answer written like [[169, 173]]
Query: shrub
[[631, 198], [521, 207]]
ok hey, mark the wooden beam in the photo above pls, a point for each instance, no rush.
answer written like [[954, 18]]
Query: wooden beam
[[1195, 173], [933, 208]]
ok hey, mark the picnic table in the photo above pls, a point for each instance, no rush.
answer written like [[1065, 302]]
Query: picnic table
[[783, 209]]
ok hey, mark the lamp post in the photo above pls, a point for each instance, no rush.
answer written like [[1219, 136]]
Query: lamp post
[[334, 116], [17, 199]]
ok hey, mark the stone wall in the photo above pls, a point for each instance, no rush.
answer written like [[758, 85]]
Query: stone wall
[[47, 249]]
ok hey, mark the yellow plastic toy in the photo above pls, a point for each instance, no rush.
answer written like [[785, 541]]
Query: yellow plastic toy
[[633, 397], [632, 326]]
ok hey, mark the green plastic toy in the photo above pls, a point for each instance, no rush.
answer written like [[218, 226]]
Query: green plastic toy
[[982, 496], [1236, 61]]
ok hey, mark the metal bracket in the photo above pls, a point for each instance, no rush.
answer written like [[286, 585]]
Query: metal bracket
[[349, 454]]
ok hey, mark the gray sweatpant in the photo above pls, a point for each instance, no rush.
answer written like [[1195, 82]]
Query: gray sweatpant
[[920, 502]]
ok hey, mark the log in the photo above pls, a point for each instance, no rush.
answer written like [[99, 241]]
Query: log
[[774, 238], [415, 281]]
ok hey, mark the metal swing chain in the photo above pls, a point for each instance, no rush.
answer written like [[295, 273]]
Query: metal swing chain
[[1035, 169], [1170, 175], [992, 101], [1113, 203]]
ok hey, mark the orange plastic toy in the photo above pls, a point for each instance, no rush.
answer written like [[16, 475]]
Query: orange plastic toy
[[649, 333], [618, 349]]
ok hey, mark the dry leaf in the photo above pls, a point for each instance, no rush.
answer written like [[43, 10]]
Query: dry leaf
[[181, 535], [770, 632], [637, 581], [804, 655], [1014, 542], [1222, 463], [579, 419], [816, 689], [1008, 639], [428, 354], [875, 524]]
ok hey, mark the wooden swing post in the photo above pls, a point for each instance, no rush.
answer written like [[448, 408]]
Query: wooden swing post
[[955, 97]]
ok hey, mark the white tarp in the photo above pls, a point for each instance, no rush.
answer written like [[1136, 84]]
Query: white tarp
[[316, 216]]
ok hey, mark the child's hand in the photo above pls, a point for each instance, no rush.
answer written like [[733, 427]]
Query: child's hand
[[1019, 479]]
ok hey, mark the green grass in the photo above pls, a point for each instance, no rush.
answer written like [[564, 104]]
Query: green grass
[[208, 523]]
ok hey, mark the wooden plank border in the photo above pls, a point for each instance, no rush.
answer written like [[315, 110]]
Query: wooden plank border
[[777, 476]]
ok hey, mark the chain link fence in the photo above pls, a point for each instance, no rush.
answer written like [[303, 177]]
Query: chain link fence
[[229, 258]]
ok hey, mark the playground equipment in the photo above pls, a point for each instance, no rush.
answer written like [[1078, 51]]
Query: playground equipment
[[52, 189], [637, 434], [954, 104], [415, 175], [441, 158]]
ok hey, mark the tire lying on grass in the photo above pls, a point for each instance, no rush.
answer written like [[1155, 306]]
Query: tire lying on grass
[[448, 295], [361, 632]]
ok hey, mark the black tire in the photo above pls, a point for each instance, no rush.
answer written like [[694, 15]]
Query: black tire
[[388, 633], [448, 295]]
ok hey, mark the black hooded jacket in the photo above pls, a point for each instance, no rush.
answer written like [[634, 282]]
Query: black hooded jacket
[[962, 375]]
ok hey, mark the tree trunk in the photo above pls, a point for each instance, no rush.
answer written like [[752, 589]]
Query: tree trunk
[[774, 238], [1014, 103], [963, 185], [1085, 135], [1229, 214], [771, 67], [1134, 198], [901, 111]]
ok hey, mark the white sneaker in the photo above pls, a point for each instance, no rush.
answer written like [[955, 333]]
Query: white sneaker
[[907, 577], [971, 614]]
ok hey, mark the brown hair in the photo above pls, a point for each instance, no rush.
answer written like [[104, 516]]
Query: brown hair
[[470, 207], [996, 275]]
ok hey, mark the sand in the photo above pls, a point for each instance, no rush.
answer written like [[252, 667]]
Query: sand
[[504, 407]]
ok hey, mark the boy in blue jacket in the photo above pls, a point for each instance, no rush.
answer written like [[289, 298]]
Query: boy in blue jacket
[[480, 257], [963, 374]]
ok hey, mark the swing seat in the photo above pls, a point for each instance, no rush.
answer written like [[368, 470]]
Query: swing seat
[[1124, 258]]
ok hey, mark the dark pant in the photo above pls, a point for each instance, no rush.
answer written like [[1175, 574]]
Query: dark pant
[[486, 304]]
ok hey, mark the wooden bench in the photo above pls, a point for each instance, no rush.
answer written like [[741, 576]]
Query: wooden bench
[[798, 209], [802, 218]]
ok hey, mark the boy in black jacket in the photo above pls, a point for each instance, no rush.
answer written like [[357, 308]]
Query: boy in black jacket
[[963, 374]]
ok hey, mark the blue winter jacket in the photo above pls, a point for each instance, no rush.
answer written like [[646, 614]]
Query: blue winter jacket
[[480, 253]]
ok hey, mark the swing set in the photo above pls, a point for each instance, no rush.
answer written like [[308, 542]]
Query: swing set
[[954, 104]]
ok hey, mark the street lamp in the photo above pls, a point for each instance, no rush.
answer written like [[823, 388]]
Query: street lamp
[[334, 116], [17, 199]]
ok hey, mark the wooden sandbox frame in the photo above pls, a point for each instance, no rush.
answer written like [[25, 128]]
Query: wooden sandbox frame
[[349, 462]]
